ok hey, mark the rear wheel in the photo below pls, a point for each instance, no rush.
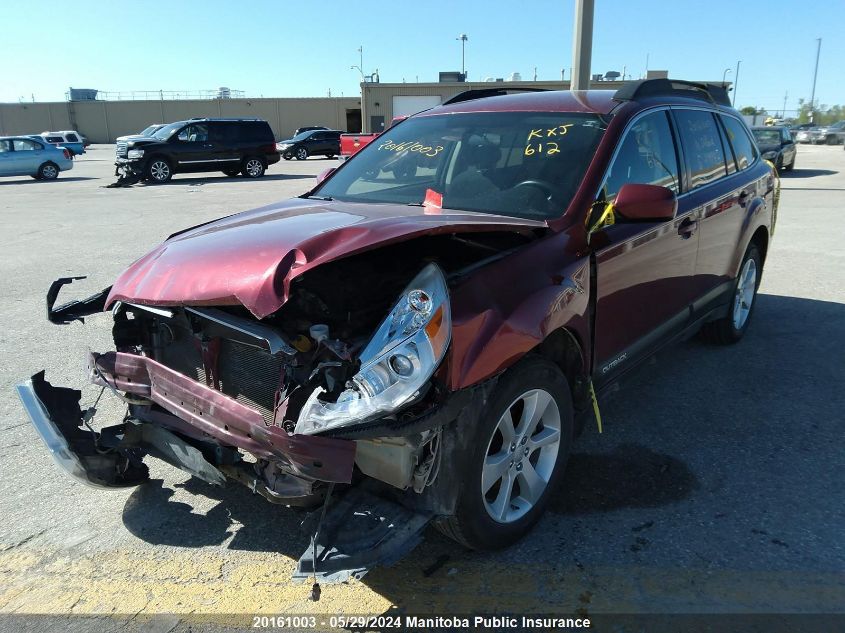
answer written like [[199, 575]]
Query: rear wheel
[[253, 167], [48, 171], [516, 458], [732, 327], [301, 153], [158, 170]]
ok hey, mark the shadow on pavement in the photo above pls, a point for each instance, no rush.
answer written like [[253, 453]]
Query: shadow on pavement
[[27, 179], [798, 173]]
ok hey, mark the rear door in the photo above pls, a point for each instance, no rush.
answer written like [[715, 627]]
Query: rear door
[[228, 146], [193, 149], [644, 269], [28, 155], [717, 161]]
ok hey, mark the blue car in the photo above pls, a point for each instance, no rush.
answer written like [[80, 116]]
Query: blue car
[[71, 139], [27, 156]]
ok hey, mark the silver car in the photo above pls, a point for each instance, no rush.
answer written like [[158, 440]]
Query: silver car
[[26, 156]]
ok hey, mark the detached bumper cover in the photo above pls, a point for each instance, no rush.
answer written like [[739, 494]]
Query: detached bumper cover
[[215, 414], [56, 416]]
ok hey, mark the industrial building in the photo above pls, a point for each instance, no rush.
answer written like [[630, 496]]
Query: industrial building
[[103, 120]]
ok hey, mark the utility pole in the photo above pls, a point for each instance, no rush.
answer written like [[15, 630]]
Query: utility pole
[[815, 74], [736, 83], [463, 39], [785, 97], [582, 44]]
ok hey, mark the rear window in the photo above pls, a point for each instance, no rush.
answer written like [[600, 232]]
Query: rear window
[[72, 138], [744, 149], [702, 146]]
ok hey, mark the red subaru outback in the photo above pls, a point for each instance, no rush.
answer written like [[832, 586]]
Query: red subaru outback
[[422, 335]]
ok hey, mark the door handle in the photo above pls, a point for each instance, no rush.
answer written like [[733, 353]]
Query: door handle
[[687, 228]]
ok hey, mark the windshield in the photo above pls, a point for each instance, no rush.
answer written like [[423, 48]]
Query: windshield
[[767, 137], [303, 135], [522, 164], [164, 133], [149, 130]]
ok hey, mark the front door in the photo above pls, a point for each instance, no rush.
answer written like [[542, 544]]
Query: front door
[[644, 269], [195, 150], [7, 158]]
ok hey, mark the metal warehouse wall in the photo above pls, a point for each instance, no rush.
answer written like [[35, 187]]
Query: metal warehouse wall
[[103, 121]]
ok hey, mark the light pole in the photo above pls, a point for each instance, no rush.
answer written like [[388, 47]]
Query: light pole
[[724, 75], [463, 39], [815, 74], [736, 83]]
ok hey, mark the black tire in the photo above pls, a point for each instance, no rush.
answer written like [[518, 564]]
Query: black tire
[[253, 167], [232, 172], [301, 153], [329, 156], [158, 170], [727, 330], [48, 171], [832, 140], [473, 524], [287, 155]]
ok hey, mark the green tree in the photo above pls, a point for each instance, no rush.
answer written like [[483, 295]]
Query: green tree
[[748, 110]]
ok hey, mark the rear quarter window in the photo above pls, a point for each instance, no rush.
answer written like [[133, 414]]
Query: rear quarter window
[[742, 144]]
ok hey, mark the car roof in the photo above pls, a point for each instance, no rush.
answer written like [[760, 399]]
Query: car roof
[[768, 127]]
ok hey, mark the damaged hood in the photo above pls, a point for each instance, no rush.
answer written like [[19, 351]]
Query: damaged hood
[[250, 258]]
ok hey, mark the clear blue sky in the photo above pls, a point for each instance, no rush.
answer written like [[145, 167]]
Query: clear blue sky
[[297, 48]]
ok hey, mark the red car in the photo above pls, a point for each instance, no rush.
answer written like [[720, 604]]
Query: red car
[[421, 336]]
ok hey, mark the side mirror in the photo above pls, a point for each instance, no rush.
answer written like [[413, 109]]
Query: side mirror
[[325, 174], [645, 202]]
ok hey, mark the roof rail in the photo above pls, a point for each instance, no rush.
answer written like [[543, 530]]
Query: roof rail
[[483, 93], [714, 93]]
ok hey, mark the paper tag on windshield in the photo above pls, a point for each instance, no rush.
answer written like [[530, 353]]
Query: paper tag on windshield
[[433, 200]]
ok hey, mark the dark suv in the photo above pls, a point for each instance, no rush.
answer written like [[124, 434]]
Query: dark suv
[[311, 143], [233, 146], [431, 325]]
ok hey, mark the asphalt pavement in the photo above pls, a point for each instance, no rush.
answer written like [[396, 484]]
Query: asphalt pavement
[[716, 487]]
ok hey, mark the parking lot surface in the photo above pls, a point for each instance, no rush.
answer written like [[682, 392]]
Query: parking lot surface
[[715, 487]]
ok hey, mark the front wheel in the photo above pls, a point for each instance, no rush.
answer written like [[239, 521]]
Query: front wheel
[[253, 167], [515, 459], [832, 140], [731, 328], [158, 170], [301, 153]]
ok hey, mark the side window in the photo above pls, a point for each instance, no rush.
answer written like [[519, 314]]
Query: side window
[[730, 155], [220, 132], [646, 156], [702, 146], [194, 133], [54, 139], [24, 145], [72, 138], [5, 146], [742, 145]]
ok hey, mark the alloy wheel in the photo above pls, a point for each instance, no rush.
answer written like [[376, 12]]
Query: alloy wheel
[[301, 153], [49, 172], [744, 296], [521, 456], [160, 170], [254, 167]]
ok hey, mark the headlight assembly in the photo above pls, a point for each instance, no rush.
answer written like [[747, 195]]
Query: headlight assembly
[[135, 153], [401, 357]]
